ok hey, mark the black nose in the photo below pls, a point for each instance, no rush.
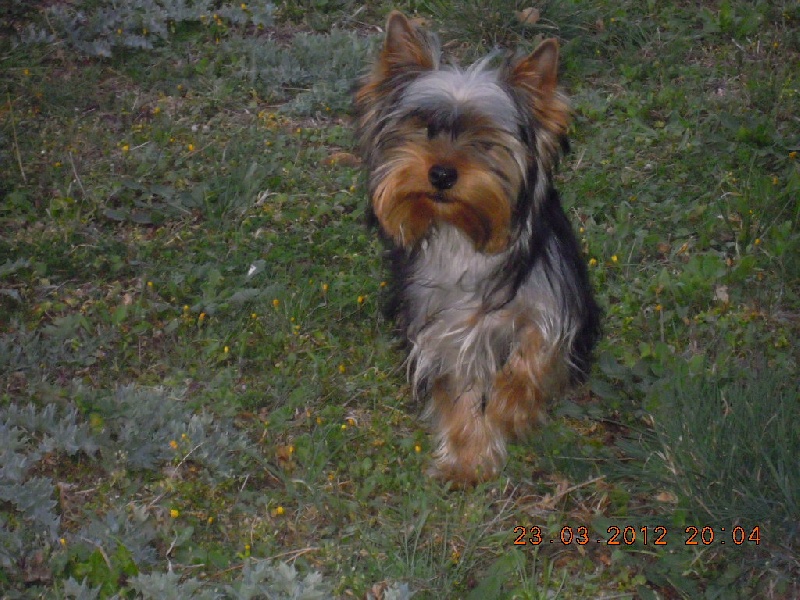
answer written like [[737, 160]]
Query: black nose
[[442, 177]]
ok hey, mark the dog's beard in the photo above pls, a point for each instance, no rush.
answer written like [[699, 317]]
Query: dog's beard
[[408, 207]]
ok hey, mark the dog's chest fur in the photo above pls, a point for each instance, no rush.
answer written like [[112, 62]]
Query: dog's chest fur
[[451, 324]]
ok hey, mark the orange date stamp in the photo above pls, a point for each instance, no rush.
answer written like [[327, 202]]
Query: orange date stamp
[[629, 535]]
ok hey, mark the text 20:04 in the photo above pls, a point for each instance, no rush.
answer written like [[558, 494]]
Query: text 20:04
[[629, 535]]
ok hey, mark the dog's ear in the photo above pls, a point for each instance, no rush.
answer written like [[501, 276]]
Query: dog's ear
[[538, 72], [536, 76], [405, 46]]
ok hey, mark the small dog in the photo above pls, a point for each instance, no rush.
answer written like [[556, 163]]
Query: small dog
[[492, 292]]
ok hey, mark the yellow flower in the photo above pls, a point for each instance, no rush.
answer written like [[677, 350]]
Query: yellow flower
[[186, 308], [62, 541], [792, 155], [190, 147], [276, 303], [156, 110], [592, 262], [341, 368], [174, 513], [658, 308], [173, 444], [614, 258], [253, 316], [361, 299], [774, 180], [243, 6], [324, 288], [210, 520], [150, 284], [757, 241], [279, 510], [26, 72], [201, 317], [125, 147], [417, 448], [226, 349]]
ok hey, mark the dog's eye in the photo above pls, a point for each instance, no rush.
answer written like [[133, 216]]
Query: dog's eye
[[432, 131], [484, 146]]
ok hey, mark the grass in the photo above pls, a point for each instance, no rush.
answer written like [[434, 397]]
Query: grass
[[199, 396]]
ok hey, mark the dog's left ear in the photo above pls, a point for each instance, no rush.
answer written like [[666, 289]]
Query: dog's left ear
[[537, 73], [536, 76]]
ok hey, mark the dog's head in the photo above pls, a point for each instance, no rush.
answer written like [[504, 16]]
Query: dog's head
[[446, 145]]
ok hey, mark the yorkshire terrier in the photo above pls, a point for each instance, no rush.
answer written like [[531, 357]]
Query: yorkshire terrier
[[492, 292]]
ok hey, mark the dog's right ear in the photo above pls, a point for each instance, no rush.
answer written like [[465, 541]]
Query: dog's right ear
[[405, 46], [407, 52]]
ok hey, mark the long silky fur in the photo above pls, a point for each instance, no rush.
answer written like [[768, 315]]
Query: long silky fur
[[459, 308]]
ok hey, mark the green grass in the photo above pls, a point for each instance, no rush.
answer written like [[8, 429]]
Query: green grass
[[198, 392]]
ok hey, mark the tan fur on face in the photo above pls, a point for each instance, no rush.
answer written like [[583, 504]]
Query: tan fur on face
[[407, 211], [479, 203]]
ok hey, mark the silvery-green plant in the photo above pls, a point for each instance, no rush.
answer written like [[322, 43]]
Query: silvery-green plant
[[257, 579], [98, 28], [322, 66]]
